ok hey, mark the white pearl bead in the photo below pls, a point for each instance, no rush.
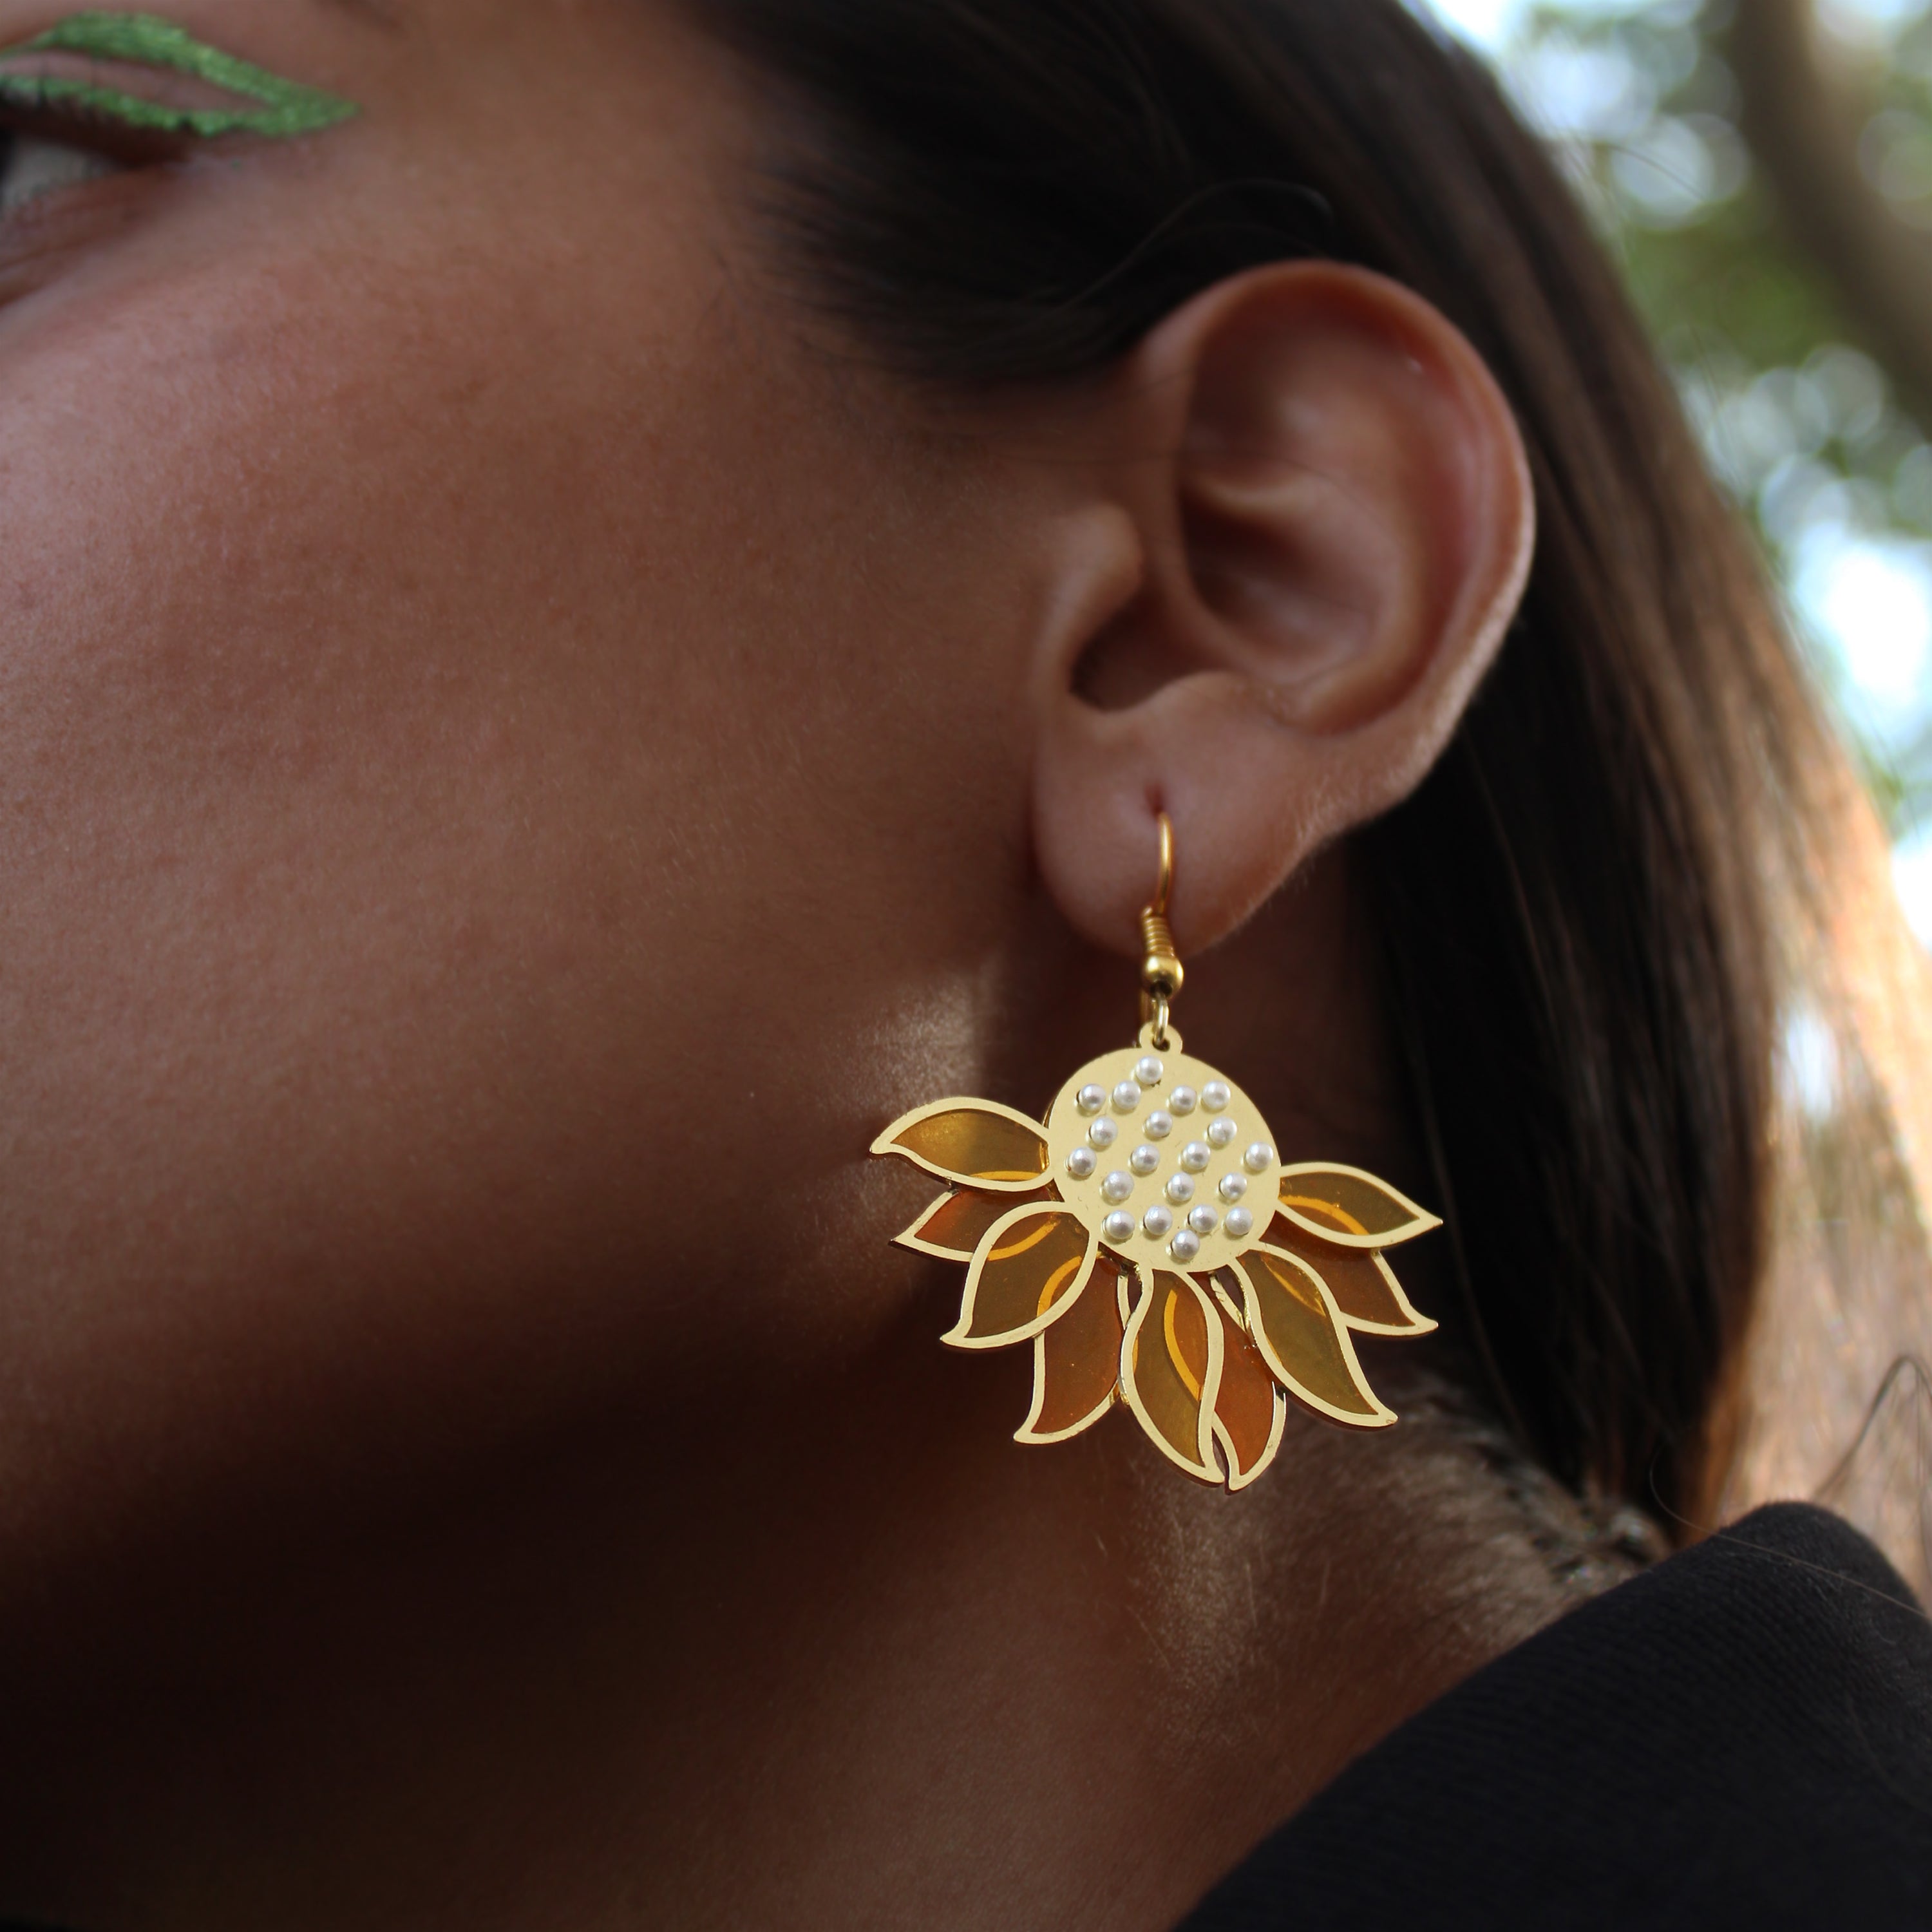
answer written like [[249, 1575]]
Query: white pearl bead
[[1081, 1163], [1181, 1189], [1157, 1221], [1092, 1099], [1143, 1160], [1233, 1186], [1126, 1097], [1195, 1157], [1204, 1220], [1215, 1096], [1148, 1070], [1117, 1187], [1159, 1124], [1103, 1134], [1184, 1100], [1240, 1224], [1185, 1245], [1259, 1158], [1118, 1227], [1221, 1134]]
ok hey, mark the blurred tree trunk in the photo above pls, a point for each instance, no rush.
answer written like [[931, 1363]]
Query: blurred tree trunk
[[1803, 119]]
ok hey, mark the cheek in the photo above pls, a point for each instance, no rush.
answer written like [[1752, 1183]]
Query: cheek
[[414, 818], [295, 647]]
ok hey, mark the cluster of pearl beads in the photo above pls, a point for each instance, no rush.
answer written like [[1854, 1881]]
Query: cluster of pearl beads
[[1157, 1222]]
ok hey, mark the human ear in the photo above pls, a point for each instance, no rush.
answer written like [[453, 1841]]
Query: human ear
[[1334, 522]]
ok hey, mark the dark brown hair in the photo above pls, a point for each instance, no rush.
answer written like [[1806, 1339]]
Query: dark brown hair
[[1579, 910]]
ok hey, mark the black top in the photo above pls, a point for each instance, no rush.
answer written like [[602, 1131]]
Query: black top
[[1740, 1737]]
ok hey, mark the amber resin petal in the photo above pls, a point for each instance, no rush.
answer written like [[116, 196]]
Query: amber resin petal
[[1365, 1291], [1300, 1333], [1347, 1208], [1171, 1362], [1250, 1411], [953, 1227], [972, 1143], [1030, 1265], [1076, 1363]]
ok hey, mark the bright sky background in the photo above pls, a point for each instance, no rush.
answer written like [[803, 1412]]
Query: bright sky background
[[1489, 23], [1486, 22], [1866, 598]]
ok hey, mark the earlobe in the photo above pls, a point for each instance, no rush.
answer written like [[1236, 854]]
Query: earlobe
[[1335, 539]]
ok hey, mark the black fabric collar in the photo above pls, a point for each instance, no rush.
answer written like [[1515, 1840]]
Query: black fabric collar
[[1742, 1736]]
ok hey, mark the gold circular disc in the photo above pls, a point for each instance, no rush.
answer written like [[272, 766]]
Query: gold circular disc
[[1174, 1130]]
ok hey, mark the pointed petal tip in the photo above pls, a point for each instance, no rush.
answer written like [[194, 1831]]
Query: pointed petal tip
[[1349, 1208], [1171, 1366], [1022, 1280], [1411, 1329], [1302, 1338], [1076, 1364], [1251, 1407], [970, 1143], [1032, 1439]]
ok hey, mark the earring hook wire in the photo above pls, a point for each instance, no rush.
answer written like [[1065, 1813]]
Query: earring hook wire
[[1163, 891], [1161, 973]]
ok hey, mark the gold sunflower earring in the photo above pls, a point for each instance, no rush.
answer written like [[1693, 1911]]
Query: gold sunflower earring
[[1149, 1243]]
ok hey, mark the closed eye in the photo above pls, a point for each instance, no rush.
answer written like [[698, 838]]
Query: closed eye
[[33, 166]]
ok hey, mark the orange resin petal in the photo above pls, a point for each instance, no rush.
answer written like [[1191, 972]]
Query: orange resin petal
[[953, 1227], [972, 1143], [1250, 1411], [1362, 1283], [1301, 1336], [1076, 1364], [1345, 1207], [1030, 1265], [1170, 1361]]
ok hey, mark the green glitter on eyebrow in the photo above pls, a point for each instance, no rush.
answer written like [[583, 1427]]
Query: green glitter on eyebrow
[[286, 110]]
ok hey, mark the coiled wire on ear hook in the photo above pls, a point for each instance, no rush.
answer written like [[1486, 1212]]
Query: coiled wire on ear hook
[[1161, 973]]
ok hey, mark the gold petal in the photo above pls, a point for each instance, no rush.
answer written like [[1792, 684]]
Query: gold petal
[[971, 1143], [1250, 1411], [1076, 1364], [1365, 1291], [1300, 1333], [1171, 1362], [1029, 1267], [1347, 1208], [954, 1226]]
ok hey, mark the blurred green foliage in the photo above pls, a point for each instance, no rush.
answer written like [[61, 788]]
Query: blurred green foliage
[[1799, 424]]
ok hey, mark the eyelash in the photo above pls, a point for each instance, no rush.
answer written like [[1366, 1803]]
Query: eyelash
[[98, 47], [48, 166], [68, 148], [92, 96]]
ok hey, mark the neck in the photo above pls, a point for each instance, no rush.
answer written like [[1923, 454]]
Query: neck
[[794, 1636], [846, 1658]]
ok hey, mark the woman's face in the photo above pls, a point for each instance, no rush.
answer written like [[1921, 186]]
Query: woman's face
[[482, 698]]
